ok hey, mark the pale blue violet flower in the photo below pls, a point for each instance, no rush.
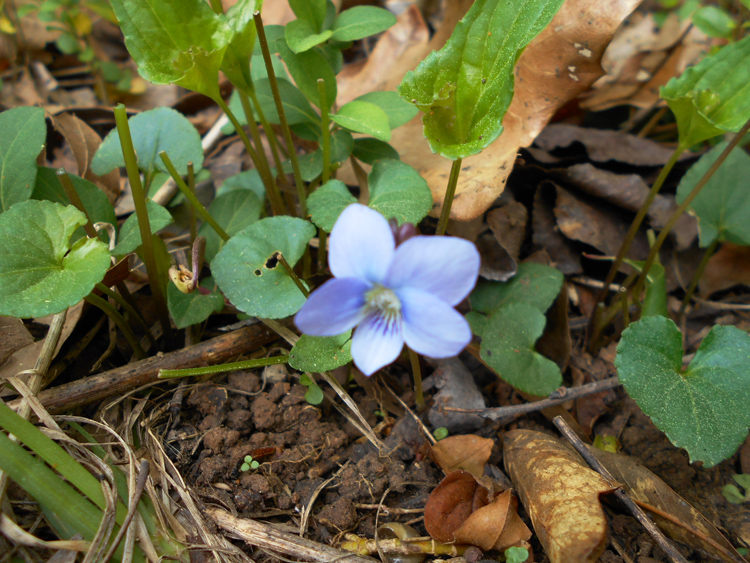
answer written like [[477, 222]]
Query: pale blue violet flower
[[392, 294]]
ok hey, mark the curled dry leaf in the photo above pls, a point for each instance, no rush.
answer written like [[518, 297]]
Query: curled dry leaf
[[461, 510], [468, 453], [669, 510], [561, 495]]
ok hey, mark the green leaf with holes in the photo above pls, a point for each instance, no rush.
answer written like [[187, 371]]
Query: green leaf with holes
[[179, 42], [24, 133], [327, 202], [130, 234], [713, 96], [192, 308], [233, 211], [321, 353], [702, 408], [723, 205], [397, 190], [40, 272], [364, 117], [153, 131], [507, 347], [465, 88], [248, 271], [95, 202]]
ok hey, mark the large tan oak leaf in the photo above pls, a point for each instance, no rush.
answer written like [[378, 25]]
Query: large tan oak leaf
[[561, 63]]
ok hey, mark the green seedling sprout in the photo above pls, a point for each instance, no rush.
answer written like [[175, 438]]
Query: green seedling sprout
[[249, 464]]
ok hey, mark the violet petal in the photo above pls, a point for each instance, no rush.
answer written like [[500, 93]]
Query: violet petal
[[376, 342], [361, 244], [335, 307], [446, 267], [431, 326]]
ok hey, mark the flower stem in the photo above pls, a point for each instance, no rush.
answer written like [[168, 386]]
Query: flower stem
[[416, 373], [190, 196], [119, 321], [222, 368], [635, 225], [70, 191], [141, 211], [685, 204], [132, 311], [322, 249], [301, 194], [292, 274], [450, 192], [697, 276], [270, 133], [273, 193], [326, 133]]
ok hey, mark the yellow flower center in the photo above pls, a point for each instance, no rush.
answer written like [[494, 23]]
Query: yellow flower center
[[384, 300]]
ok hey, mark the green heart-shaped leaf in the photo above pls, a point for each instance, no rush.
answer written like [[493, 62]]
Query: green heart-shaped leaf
[[360, 22], [397, 190], [723, 204], [301, 35], [368, 150], [535, 284], [153, 131], [234, 211], [306, 68], [192, 308], [714, 22], [702, 409], [130, 233], [247, 180], [398, 110], [179, 43], [24, 133], [248, 271], [465, 88], [711, 97], [311, 164], [364, 117], [315, 12], [327, 202], [40, 273], [236, 62], [321, 353], [508, 348]]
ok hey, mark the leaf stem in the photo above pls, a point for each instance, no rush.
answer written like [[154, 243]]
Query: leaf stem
[[697, 276], [322, 249], [640, 216], [129, 308], [70, 191], [301, 194], [265, 174], [416, 373], [686, 204], [292, 274], [121, 323], [191, 210], [326, 133], [141, 211], [233, 366], [450, 192], [190, 196], [268, 128]]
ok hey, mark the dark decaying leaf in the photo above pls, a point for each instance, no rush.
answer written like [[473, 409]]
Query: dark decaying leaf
[[508, 224], [456, 388], [497, 263], [546, 235]]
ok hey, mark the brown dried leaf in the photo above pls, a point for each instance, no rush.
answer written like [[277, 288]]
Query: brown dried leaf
[[508, 224], [13, 336], [730, 266], [497, 264], [546, 235], [493, 526], [451, 503], [463, 453], [561, 495], [84, 142], [673, 514]]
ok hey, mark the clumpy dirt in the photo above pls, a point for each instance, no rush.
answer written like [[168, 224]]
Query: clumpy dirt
[[317, 473]]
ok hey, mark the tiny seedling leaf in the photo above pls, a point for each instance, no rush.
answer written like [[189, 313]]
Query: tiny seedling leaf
[[397, 190], [130, 233], [192, 308], [465, 88], [306, 68], [711, 97], [398, 110], [368, 150], [508, 348], [321, 353], [360, 22], [153, 131], [179, 42], [249, 273], [233, 211], [41, 272], [702, 408], [24, 133], [327, 202], [314, 395], [723, 205], [364, 117]]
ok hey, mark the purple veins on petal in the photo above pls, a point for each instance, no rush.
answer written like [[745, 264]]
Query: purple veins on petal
[[446, 267], [335, 307], [361, 244], [431, 326], [377, 341]]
